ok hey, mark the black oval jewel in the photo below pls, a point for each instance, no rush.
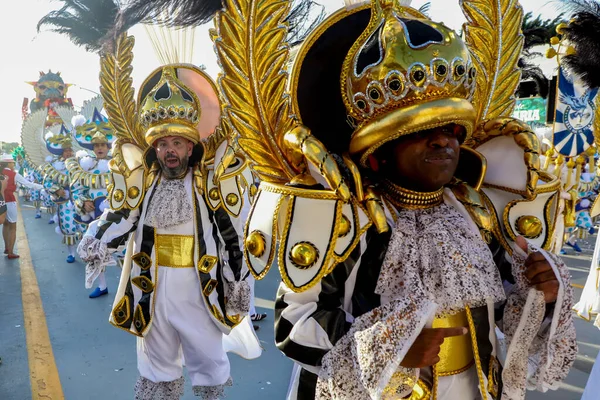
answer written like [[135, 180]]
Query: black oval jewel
[[441, 70], [395, 85], [460, 70], [120, 314], [163, 93], [419, 75], [374, 94], [472, 73], [361, 104], [186, 96]]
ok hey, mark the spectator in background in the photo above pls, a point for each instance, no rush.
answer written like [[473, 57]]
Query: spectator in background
[[9, 228]]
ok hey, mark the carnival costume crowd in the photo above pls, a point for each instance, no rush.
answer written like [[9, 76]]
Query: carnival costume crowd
[[432, 271]]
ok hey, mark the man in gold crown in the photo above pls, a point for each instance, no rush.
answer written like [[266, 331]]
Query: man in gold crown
[[186, 285], [89, 175], [406, 212]]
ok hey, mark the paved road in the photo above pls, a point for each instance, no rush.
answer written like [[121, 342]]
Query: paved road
[[95, 361]]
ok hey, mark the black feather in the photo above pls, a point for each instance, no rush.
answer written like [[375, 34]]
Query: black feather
[[303, 18], [88, 23], [580, 6], [172, 13], [583, 33]]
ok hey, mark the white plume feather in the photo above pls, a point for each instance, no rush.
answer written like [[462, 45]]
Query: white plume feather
[[78, 120]]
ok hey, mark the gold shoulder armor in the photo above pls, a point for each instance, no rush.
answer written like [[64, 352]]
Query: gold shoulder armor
[[523, 200], [314, 228], [230, 190], [128, 192]]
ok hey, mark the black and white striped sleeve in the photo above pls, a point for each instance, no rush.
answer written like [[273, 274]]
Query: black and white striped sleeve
[[310, 323], [112, 228]]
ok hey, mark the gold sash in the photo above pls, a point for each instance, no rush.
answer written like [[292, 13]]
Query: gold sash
[[175, 251], [456, 353]]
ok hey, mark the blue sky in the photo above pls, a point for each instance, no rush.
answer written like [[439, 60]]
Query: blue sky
[[25, 53]]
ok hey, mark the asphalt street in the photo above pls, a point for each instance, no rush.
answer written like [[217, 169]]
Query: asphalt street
[[95, 361]]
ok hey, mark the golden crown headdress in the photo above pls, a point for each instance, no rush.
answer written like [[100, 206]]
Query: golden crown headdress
[[404, 74], [170, 108]]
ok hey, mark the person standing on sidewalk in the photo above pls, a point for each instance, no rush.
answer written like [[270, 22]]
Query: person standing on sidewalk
[[9, 229]]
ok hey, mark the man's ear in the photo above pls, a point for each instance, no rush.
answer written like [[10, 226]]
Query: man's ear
[[190, 148]]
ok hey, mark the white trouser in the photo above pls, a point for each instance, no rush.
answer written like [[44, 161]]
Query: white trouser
[[182, 323]]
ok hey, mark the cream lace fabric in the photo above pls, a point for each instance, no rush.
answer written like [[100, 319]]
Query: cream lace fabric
[[437, 264], [95, 253], [434, 253], [170, 205], [540, 353], [145, 389], [365, 363]]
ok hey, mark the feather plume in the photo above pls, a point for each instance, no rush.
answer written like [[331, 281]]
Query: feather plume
[[579, 6], [303, 17], [253, 83], [493, 34], [583, 33], [173, 13], [78, 120], [91, 24]]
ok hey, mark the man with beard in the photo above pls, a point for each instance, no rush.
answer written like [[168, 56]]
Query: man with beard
[[183, 284]]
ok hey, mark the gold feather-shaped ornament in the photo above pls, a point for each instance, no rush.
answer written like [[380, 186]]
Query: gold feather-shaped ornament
[[493, 34], [116, 87], [250, 42]]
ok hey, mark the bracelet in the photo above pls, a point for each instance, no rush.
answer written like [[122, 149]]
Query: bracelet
[[2, 203]]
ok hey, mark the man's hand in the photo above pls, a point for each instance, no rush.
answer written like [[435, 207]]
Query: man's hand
[[61, 193], [539, 273], [424, 351], [88, 206]]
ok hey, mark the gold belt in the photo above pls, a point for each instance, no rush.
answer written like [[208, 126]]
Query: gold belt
[[175, 251], [456, 353]]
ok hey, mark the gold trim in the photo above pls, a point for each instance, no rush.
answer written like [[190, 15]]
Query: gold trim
[[493, 384], [207, 263], [124, 302], [143, 260], [210, 286], [138, 281], [473, 334], [293, 191], [128, 330], [458, 371], [328, 257], [138, 316], [274, 237], [359, 232]]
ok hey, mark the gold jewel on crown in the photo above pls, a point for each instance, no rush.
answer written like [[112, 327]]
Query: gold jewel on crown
[[405, 74], [170, 109]]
